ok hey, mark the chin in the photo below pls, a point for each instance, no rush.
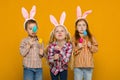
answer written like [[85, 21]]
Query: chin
[[81, 32], [32, 35], [61, 39]]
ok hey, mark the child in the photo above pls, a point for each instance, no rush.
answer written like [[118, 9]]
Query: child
[[59, 49], [84, 45], [31, 49]]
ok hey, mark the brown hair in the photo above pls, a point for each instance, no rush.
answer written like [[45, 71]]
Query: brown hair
[[77, 36], [29, 22]]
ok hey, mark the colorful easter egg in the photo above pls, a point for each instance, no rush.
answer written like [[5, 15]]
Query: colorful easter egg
[[34, 29], [85, 33], [80, 40]]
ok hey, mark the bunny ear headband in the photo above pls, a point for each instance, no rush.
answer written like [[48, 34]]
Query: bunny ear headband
[[61, 22], [26, 15], [79, 13]]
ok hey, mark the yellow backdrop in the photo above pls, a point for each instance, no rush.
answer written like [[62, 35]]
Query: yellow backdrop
[[104, 24]]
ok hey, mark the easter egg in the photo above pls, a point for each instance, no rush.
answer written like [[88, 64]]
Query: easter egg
[[85, 33], [80, 40], [40, 40], [34, 29]]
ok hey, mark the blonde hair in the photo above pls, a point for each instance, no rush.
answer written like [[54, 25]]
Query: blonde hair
[[52, 37]]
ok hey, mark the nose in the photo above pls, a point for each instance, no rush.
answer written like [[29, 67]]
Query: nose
[[82, 28], [59, 32]]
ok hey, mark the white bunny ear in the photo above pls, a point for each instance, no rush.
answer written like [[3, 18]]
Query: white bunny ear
[[53, 20], [32, 12], [79, 12], [24, 13], [86, 13], [62, 18]]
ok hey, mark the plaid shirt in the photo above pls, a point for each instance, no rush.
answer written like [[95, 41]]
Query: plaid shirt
[[31, 56], [62, 63]]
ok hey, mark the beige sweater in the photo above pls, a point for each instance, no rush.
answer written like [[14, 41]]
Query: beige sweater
[[83, 58]]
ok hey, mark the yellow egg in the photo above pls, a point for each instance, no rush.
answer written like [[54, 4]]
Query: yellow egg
[[40, 40]]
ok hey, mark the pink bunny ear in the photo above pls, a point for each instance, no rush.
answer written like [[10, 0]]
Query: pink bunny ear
[[24, 13], [53, 20], [62, 18], [32, 12], [86, 13], [79, 12]]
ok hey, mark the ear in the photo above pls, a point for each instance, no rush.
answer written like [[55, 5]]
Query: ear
[[79, 12], [32, 12], [86, 13], [24, 13], [62, 18], [53, 20]]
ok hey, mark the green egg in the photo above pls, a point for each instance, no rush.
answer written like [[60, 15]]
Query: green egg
[[34, 29]]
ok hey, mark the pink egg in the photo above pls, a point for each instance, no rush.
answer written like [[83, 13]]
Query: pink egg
[[80, 40]]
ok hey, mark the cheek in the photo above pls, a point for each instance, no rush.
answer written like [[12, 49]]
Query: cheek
[[56, 35], [78, 28], [85, 28], [30, 31], [63, 34]]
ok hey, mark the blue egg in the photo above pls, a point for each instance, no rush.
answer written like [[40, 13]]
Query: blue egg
[[85, 33], [34, 29]]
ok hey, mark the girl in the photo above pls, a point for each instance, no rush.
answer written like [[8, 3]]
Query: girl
[[31, 49], [59, 49], [84, 45]]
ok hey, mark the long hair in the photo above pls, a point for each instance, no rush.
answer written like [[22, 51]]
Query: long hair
[[52, 35], [77, 36]]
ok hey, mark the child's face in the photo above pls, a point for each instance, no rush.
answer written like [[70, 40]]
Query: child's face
[[29, 29], [60, 33], [81, 26]]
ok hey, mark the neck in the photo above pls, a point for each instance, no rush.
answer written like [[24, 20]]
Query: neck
[[81, 35], [32, 36], [61, 42]]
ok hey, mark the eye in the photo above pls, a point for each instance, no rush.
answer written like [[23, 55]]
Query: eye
[[84, 24], [62, 30], [79, 25], [56, 31], [30, 28]]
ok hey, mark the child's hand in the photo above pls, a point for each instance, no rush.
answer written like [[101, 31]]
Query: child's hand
[[80, 45], [89, 44], [31, 41], [41, 51], [57, 48], [56, 56]]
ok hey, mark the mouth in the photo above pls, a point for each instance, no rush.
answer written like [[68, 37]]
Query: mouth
[[59, 35], [33, 33], [81, 31]]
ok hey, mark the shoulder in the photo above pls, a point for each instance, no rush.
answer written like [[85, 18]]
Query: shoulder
[[93, 38], [52, 45], [69, 44], [73, 39], [24, 40], [94, 41]]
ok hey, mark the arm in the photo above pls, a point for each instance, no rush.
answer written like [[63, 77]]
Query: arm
[[66, 56], [76, 49], [41, 50], [24, 48], [50, 54], [94, 45]]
